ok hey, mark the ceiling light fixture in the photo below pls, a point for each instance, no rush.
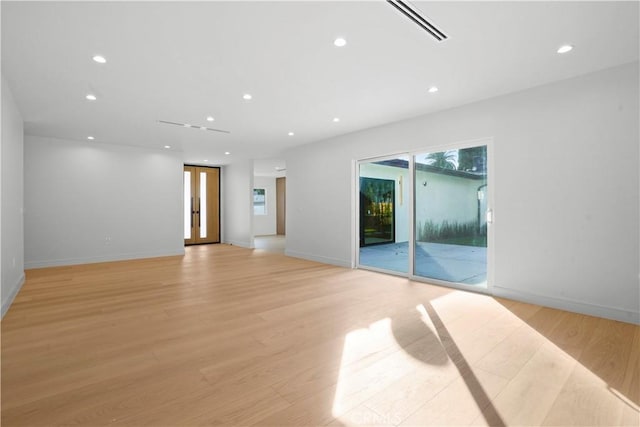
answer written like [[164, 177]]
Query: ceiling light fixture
[[226, 153], [564, 49], [187, 125], [336, 119], [433, 89], [210, 119], [247, 97], [339, 42], [90, 138], [91, 97], [167, 146], [203, 128], [291, 133], [205, 160], [99, 59]]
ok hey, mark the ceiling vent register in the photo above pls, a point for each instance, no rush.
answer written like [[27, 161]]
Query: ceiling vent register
[[417, 17], [192, 126]]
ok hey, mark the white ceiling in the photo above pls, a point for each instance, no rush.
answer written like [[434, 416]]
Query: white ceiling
[[183, 61]]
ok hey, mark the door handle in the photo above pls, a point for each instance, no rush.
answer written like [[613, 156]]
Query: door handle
[[489, 216], [198, 212], [192, 212]]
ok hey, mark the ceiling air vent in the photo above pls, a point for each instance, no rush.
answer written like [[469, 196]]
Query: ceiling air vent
[[416, 17], [192, 126]]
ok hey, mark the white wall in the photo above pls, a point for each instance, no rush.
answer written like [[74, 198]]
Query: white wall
[[91, 202], [566, 189], [237, 204], [265, 225], [446, 198], [12, 199]]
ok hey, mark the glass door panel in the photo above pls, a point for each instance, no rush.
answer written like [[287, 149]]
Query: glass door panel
[[451, 215], [203, 205], [188, 206], [383, 218]]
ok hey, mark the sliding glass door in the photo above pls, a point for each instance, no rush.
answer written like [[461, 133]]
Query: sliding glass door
[[450, 196], [425, 215]]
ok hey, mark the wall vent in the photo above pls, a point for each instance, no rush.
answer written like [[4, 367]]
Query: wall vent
[[417, 17]]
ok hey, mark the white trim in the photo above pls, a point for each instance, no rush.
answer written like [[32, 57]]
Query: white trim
[[316, 258], [569, 305], [383, 271], [106, 258], [242, 244], [480, 289], [491, 241], [12, 295], [355, 219], [411, 199]]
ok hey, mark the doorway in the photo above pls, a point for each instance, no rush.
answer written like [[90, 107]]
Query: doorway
[[281, 206], [201, 205], [427, 215]]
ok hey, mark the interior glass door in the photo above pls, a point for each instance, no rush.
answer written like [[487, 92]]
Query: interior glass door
[[383, 214], [450, 233]]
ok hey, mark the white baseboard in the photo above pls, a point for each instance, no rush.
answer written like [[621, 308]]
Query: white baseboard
[[106, 258], [239, 243], [612, 313], [322, 259], [8, 299]]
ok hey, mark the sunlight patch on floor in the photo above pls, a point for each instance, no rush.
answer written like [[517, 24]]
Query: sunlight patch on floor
[[455, 371]]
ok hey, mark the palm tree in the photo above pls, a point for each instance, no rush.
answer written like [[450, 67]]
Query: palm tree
[[443, 159]]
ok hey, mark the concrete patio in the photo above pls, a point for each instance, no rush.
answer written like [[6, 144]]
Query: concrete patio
[[452, 263]]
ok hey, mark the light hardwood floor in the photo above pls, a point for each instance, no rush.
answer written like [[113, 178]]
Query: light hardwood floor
[[229, 336]]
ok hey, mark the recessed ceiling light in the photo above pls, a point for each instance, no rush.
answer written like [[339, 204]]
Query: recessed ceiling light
[[205, 160], [291, 133], [247, 96], [339, 42], [336, 119], [226, 153], [433, 89], [167, 146], [90, 138], [187, 125], [203, 128], [91, 97], [99, 59], [564, 49], [210, 119]]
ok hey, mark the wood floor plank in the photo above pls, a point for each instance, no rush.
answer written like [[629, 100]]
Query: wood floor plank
[[528, 397], [230, 336], [456, 404]]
